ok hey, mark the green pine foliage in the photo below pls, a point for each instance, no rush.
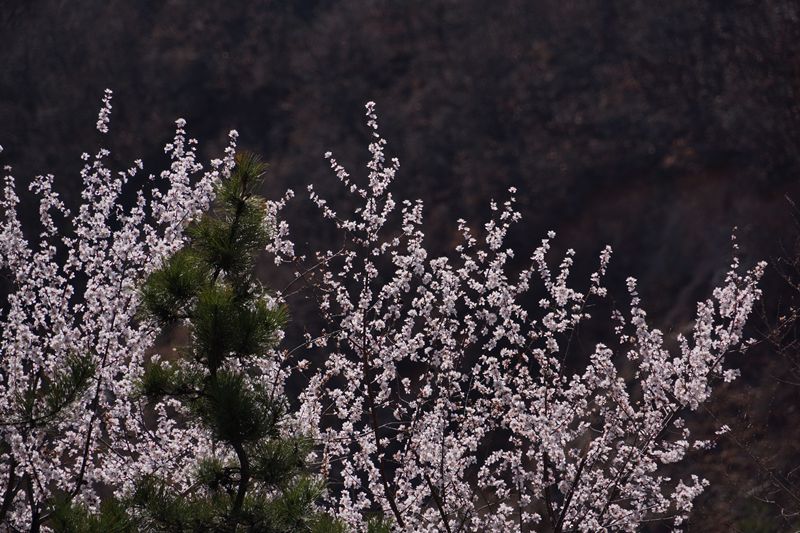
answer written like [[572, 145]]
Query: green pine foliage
[[70, 517], [210, 286]]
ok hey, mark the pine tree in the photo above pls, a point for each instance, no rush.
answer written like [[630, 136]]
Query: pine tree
[[210, 286]]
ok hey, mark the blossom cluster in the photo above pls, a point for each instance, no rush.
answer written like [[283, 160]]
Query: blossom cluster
[[452, 396], [447, 393], [73, 296]]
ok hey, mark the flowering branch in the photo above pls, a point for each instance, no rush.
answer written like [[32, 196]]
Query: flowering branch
[[72, 348], [448, 400]]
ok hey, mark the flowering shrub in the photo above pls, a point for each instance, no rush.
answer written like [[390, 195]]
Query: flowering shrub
[[448, 404], [72, 349], [444, 401]]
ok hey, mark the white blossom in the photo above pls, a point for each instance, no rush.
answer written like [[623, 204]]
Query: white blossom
[[448, 403], [443, 398], [74, 292]]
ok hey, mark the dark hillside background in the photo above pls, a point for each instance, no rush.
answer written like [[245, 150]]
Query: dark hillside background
[[655, 127]]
